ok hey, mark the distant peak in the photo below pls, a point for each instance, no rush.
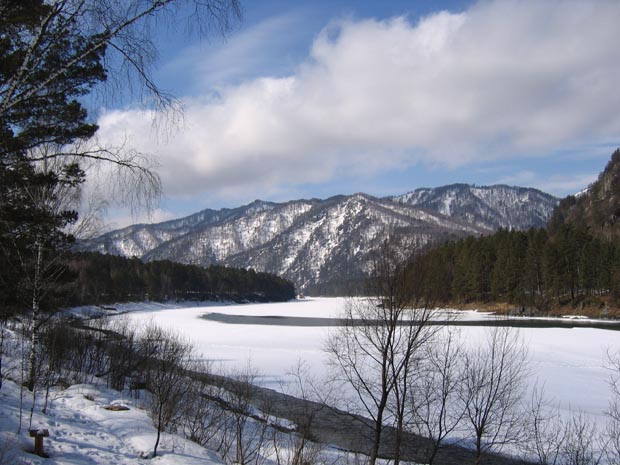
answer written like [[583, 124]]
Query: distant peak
[[359, 196], [259, 205]]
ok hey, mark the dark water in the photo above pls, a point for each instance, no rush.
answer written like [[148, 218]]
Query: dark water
[[333, 322]]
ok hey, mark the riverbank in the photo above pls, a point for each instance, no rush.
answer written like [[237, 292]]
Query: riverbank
[[593, 307]]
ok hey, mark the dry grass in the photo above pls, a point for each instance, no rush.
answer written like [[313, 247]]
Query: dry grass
[[593, 307]]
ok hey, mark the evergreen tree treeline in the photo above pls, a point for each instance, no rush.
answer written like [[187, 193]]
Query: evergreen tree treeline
[[575, 260], [527, 268], [94, 278]]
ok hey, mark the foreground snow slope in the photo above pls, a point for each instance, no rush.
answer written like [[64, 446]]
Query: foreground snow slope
[[83, 432]]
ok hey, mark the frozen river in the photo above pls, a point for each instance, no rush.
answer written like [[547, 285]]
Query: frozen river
[[570, 362]]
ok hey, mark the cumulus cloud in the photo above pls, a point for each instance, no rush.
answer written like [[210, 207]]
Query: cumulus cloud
[[500, 80]]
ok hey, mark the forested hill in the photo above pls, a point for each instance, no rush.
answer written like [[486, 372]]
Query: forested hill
[[573, 263], [597, 208], [526, 269], [101, 279]]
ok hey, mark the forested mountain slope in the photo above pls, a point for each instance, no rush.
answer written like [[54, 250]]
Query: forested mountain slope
[[597, 208]]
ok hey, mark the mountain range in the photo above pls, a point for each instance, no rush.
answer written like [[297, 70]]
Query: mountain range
[[317, 242]]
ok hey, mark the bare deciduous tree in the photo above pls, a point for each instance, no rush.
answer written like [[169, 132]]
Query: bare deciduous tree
[[166, 375], [297, 447], [613, 413], [546, 432], [203, 417], [583, 443], [375, 351], [248, 440], [433, 403], [570, 438], [492, 390]]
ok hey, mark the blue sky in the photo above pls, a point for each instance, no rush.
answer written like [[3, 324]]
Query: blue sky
[[318, 98]]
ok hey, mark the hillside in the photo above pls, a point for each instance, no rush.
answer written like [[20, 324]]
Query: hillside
[[316, 242], [597, 208]]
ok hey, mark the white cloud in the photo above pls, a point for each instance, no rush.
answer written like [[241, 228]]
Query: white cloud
[[560, 185], [503, 79]]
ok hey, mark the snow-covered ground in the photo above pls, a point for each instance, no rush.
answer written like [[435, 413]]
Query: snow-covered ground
[[85, 430], [570, 363], [82, 431]]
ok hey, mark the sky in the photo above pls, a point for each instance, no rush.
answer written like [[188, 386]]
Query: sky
[[319, 98]]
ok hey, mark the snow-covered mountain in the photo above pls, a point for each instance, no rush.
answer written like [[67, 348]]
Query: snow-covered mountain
[[489, 207], [313, 242]]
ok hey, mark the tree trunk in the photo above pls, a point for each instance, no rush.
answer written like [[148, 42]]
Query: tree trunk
[[21, 384], [399, 438], [35, 315], [478, 449], [1, 349], [159, 420], [374, 452]]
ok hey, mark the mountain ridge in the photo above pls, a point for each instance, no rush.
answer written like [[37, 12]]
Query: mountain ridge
[[470, 198]]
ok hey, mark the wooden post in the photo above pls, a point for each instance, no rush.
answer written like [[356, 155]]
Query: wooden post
[[38, 435]]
